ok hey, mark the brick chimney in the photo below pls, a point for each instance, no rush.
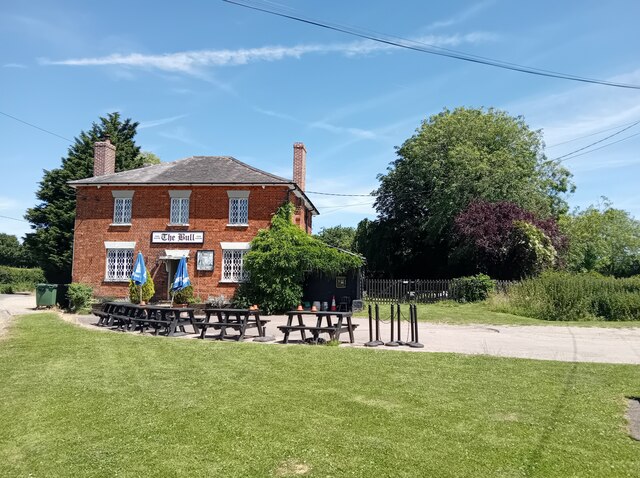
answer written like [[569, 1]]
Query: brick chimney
[[104, 157], [299, 164]]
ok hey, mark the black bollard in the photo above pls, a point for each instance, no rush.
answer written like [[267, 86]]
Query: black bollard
[[415, 343], [377, 341], [393, 343]]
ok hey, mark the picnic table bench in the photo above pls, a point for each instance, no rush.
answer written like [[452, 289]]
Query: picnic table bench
[[334, 329], [127, 316], [236, 319], [169, 318]]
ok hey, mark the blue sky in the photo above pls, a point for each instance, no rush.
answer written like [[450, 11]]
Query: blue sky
[[213, 78]]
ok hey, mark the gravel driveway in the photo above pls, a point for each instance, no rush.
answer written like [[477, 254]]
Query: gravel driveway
[[580, 344]]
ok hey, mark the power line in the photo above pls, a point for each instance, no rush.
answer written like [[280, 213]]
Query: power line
[[589, 135], [432, 49], [566, 157], [13, 218], [603, 146], [338, 194], [35, 126]]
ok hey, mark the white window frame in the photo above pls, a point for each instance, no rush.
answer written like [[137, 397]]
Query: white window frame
[[125, 250], [231, 251], [178, 199], [123, 197], [236, 198]]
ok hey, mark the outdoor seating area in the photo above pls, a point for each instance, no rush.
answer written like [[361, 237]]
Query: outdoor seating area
[[130, 317], [183, 321], [341, 324]]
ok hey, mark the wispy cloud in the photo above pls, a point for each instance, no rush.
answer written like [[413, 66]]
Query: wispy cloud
[[192, 62], [358, 133], [182, 135], [160, 122], [14, 65], [461, 16], [7, 203]]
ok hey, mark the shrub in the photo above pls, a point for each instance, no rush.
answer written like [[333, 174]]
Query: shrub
[[148, 289], [472, 288], [80, 296], [564, 296], [16, 279], [184, 296], [278, 260]]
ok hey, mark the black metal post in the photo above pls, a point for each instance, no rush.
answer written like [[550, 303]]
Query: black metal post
[[414, 328], [377, 341], [393, 343]]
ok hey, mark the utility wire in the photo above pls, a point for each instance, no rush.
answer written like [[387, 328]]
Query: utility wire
[[589, 135], [603, 146], [36, 127], [339, 194], [566, 157], [431, 49], [13, 218]]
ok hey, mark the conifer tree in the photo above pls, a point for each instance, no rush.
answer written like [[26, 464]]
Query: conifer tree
[[53, 219]]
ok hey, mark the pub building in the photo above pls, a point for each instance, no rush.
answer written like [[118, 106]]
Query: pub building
[[206, 208]]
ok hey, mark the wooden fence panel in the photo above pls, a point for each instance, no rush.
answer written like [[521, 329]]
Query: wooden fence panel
[[416, 290]]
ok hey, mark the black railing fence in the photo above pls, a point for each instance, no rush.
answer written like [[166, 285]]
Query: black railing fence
[[415, 290]]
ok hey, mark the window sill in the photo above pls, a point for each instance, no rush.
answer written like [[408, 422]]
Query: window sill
[[228, 281], [237, 225], [112, 281], [123, 224], [177, 225]]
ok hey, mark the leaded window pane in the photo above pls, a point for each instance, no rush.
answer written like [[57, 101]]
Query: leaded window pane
[[232, 265], [119, 264], [238, 211], [122, 211], [179, 211]]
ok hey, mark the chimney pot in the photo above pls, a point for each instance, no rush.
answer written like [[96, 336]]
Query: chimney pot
[[104, 157], [299, 164]]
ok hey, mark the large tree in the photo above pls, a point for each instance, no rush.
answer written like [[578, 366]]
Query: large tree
[[338, 236], [505, 241], [51, 243], [454, 158], [12, 253], [603, 239]]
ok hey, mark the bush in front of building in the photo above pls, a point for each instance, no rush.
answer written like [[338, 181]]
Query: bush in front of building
[[278, 260], [184, 296], [80, 296], [148, 289], [19, 279]]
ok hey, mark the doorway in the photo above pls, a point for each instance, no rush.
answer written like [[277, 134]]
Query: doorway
[[172, 267]]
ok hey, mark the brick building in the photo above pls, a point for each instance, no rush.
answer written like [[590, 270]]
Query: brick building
[[207, 208]]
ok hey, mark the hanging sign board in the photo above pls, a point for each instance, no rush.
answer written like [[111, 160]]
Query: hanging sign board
[[187, 237]]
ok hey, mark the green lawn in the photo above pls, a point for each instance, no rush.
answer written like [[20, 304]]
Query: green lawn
[[449, 312], [77, 402]]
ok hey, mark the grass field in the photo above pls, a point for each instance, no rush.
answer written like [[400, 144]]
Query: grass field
[[449, 312], [77, 402]]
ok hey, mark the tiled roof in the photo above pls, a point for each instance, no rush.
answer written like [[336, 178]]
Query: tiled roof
[[193, 170]]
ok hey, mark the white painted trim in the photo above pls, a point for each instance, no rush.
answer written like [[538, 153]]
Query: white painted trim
[[238, 194], [122, 194], [180, 193], [119, 245], [237, 246]]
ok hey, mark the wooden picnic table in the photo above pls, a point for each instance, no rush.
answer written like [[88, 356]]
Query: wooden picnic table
[[118, 314], [342, 323], [171, 318], [237, 319]]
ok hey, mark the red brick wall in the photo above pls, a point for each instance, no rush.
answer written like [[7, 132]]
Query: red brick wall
[[208, 212]]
